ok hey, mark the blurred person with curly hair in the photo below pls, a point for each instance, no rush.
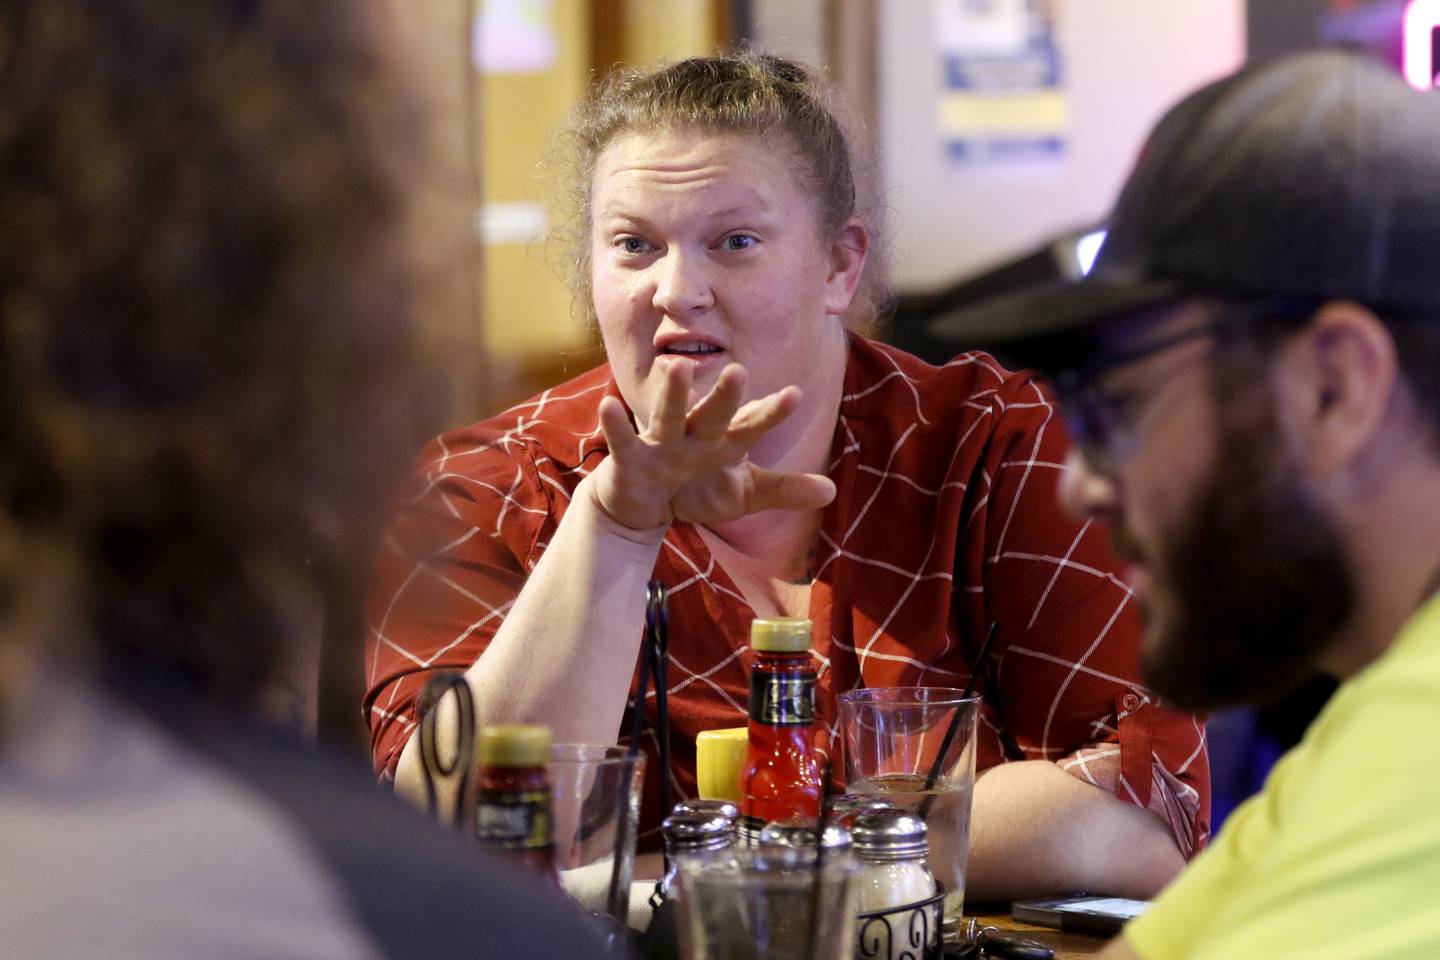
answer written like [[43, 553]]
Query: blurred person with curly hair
[[201, 295]]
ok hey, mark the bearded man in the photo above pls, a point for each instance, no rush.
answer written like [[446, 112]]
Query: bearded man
[[1251, 376]]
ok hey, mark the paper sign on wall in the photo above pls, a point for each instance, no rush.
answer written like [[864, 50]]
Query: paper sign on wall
[[514, 36], [1002, 98]]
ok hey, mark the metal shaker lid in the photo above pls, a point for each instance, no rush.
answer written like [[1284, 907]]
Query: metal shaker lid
[[725, 808], [844, 808], [889, 835], [801, 835], [697, 831]]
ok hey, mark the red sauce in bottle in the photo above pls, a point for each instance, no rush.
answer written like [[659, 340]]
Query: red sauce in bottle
[[781, 778], [512, 813]]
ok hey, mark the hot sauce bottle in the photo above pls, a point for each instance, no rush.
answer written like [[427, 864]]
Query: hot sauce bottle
[[781, 778], [512, 811]]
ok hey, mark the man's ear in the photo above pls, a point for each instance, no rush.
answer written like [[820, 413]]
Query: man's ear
[[1339, 381], [848, 249]]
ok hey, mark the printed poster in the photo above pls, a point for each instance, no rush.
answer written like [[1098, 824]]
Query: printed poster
[[514, 36], [1002, 98]]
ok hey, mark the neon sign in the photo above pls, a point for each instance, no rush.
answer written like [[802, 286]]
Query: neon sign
[[1421, 43]]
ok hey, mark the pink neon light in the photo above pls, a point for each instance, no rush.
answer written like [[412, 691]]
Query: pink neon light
[[1421, 19]]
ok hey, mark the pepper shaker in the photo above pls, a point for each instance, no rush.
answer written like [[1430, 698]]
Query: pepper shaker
[[696, 841]]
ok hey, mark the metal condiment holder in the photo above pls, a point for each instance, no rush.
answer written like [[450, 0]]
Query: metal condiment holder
[[910, 931]]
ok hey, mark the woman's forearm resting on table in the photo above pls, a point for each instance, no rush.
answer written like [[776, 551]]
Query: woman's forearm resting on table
[[566, 653], [1037, 830]]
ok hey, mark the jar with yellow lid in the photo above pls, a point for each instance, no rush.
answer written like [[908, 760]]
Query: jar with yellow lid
[[513, 805]]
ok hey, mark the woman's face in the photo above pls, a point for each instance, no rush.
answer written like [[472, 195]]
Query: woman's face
[[705, 250]]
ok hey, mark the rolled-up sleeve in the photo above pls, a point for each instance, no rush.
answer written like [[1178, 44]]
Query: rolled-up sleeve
[[453, 560]]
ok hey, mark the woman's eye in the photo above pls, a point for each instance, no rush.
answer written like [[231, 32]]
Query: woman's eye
[[739, 241], [632, 245]]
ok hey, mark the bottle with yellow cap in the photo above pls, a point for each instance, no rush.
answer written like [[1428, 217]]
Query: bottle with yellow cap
[[780, 779], [512, 810]]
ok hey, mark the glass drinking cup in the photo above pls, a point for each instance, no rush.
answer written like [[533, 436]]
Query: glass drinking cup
[[892, 737]]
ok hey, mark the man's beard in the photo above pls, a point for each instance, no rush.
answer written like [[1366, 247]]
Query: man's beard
[[1256, 582]]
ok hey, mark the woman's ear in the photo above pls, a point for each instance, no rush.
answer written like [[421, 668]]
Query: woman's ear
[[1340, 380], [848, 249]]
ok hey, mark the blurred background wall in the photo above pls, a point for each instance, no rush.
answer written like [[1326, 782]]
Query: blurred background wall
[[503, 73], [501, 324]]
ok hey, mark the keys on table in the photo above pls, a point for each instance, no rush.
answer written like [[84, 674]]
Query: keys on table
[[988, 941]]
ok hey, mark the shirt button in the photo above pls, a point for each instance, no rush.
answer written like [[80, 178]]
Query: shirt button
[[1130, 703]]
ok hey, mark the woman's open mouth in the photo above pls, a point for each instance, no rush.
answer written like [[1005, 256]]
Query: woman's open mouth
[[698, 353], [696, 350]]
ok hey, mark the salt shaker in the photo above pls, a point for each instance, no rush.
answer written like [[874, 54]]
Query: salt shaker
[[696, 841], [890, 851]]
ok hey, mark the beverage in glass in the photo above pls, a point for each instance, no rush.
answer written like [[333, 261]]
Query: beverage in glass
[[892, 737]]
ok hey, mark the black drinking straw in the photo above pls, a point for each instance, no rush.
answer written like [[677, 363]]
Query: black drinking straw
[[656, 627], [657, 621], [813, 934], [955, 723]]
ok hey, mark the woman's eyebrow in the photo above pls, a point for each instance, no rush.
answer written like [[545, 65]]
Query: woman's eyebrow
[[620, 216], [738, 209]]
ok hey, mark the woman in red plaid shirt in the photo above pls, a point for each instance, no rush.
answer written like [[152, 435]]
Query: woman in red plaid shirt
[[746, 445]]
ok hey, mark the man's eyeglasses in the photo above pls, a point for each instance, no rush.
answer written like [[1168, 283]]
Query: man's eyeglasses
[[1104, 423]]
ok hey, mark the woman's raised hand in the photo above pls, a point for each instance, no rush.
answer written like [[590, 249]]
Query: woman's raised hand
[[692, 465]]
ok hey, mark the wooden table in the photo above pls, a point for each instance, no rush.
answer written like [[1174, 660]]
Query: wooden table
[[1067, 945]]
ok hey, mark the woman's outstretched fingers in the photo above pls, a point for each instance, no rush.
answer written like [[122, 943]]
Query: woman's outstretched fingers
[[781, 490], [710, 418], [626, 485], [759, 417], [620, 436], [667, 420]]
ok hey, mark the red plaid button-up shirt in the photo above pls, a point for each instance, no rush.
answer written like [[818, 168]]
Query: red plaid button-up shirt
[[945, 520]]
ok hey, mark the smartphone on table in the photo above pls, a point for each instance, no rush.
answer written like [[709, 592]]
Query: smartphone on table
[[1082, 913]]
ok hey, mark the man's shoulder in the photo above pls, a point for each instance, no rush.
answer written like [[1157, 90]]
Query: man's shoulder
[[175, 822], [1398, 692], [1356, 776], [415, 889]]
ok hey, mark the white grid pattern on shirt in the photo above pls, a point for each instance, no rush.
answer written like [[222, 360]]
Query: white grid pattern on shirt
[[986, 403]]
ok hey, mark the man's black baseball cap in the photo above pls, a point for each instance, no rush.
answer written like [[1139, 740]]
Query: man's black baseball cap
[[1313, 176]]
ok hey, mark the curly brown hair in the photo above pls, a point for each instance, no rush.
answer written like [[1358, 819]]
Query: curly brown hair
[[204, 359]]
